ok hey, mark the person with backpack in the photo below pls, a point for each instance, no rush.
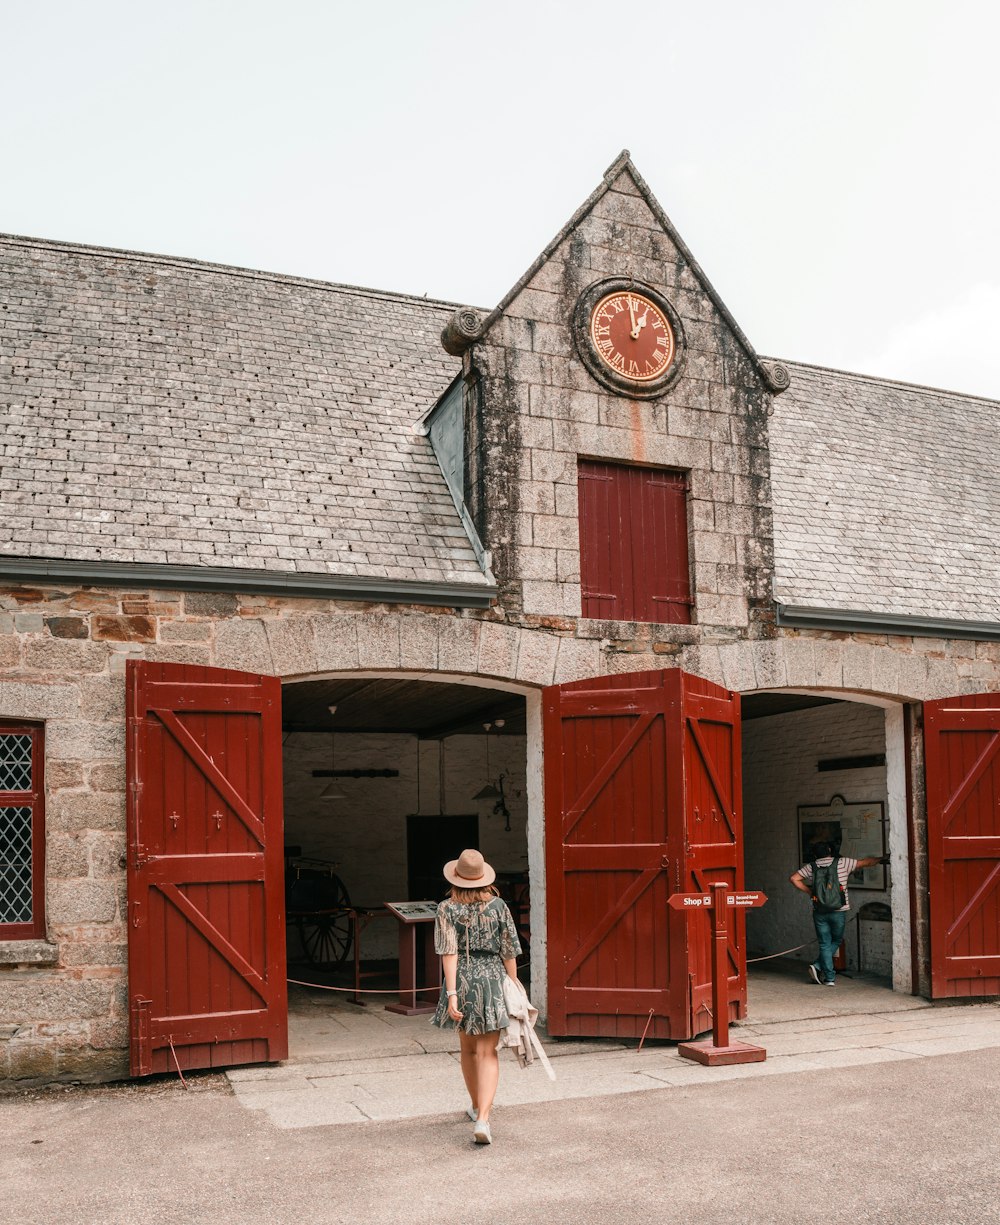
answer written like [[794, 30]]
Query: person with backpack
[[824, 879]]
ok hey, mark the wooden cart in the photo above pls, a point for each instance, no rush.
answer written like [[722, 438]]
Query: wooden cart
[[317, 904]]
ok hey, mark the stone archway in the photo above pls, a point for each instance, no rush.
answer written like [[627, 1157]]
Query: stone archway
[[404, 640], [535, 841], [885, 783]]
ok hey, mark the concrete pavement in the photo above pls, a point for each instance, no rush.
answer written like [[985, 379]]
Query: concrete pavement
[[912, 1141], [388, 1085]]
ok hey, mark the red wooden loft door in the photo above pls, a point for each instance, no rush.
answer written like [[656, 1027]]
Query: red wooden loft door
[[634, 543], [642, 799], [962, 752], [206, 951]]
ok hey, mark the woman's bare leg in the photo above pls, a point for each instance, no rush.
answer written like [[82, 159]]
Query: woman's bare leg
[[488, 1072], [470, 1066]]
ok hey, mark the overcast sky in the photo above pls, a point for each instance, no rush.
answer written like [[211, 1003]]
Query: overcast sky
[[833, 167]]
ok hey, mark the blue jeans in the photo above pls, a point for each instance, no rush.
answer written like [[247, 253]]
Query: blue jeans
[[830, 930]]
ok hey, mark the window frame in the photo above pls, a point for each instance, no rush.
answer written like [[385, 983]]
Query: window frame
[[35, 800]]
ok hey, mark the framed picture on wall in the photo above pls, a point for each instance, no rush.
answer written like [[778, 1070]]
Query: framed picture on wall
[[857, 830]]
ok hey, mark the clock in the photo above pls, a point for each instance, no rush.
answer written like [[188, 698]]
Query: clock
[[629, 337]]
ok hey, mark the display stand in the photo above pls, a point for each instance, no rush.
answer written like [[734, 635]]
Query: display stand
[[361, 917], [416, 928], [720, 1050]]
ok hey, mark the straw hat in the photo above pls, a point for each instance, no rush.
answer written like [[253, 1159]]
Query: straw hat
[[469, 871]]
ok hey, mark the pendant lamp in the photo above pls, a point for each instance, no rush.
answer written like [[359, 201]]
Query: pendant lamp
[[488, 792]]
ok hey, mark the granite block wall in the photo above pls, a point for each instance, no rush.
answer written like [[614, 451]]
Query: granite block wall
[[536, 409], [63, 1000]]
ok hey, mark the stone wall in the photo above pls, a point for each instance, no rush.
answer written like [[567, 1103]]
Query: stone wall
[[63, 1002], [535, 409]]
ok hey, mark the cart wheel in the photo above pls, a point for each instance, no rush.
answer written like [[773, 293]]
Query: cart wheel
[[326, 938]]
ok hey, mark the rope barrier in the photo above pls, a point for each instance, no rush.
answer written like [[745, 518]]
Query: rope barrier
[[376, 991], [784, 953], [364, 990], [419, 990]]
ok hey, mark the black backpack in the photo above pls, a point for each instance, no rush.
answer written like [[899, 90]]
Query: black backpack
[[827, 891]]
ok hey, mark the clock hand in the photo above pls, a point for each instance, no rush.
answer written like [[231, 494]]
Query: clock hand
[[637, 327], [631, 314]]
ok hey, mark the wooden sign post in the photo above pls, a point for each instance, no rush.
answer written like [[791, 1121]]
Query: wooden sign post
[[720, 1050]]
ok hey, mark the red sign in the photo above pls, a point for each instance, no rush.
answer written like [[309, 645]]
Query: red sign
[[752, 898], [690, 901], [703, 901]]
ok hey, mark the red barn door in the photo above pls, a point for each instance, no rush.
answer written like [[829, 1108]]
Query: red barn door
[[206, 952], [642, 799], [962, 751]]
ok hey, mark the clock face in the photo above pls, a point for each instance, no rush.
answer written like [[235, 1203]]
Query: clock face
[[632, 336]]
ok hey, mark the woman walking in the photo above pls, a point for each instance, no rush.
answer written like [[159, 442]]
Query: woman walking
[[477, 942]]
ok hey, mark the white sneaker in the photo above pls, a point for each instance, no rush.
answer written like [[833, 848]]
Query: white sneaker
[[473, 1114], [814, 974], [481, 1133]]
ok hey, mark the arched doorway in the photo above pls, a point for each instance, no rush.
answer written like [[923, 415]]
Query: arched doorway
[[825, 763], [387, 775]]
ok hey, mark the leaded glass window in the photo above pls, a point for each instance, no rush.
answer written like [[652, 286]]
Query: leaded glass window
[[22, 841], [15, 762], [15, 865]]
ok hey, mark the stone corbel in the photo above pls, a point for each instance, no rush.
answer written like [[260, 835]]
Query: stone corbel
[[461, 331]]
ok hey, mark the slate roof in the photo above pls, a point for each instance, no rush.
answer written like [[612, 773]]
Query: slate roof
[[886, 497], [165, 411], [157, 410]]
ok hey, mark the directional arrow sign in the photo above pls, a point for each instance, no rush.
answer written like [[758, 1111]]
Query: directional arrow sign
[[690, 901], [703, 901], [753, 898]]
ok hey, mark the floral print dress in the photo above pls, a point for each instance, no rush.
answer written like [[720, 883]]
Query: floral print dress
[[483, 935]]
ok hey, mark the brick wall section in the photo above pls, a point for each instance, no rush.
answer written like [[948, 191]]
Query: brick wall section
[[538, 409], [63, 654]]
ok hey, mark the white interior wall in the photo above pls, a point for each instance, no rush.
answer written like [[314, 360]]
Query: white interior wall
[[779, 775], [365, 834], [536, 853]]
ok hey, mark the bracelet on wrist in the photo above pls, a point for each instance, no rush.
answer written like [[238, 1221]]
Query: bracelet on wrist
[[454, 993]]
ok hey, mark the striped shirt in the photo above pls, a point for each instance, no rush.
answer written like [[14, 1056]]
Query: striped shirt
[[845, 867]]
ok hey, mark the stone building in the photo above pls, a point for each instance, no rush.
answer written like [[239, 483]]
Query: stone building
[[572, 553]]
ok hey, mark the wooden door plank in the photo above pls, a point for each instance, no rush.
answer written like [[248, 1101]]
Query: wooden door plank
[[209, 769], [209, 909], [963, 844]]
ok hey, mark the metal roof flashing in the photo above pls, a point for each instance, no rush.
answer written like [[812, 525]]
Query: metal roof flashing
[[217, 578], [852, 620], [444, 426]]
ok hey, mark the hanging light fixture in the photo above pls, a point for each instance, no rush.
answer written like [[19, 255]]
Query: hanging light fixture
[[488, 792], [331, 791]]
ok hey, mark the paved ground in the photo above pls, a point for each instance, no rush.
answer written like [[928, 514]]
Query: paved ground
[[911, 1141], [871, 1107], [352, 1065], [390, 1085]]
